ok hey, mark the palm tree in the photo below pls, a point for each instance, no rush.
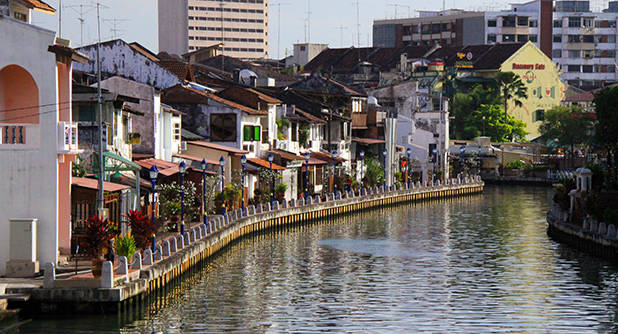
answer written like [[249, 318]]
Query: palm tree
[[511, 87]]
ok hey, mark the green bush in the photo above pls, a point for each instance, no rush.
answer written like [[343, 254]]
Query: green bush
[[281, 188], [516, 164], [125, 246]]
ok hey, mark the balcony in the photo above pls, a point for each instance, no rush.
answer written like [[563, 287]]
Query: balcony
[[19, 135], [67, 138], [359, 120]]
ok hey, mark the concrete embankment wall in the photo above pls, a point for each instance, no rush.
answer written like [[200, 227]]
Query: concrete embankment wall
[[155, 277]]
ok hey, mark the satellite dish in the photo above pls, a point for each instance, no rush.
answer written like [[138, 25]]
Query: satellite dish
[[245, 76], [373, 101]]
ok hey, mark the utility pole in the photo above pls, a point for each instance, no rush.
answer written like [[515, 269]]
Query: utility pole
[[279, 4], [100, 198], [357, 3], [341, 29]]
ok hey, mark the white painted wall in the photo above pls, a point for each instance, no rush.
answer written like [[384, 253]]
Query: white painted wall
[[30, 172]]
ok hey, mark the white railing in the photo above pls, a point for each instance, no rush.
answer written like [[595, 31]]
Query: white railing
[[67, 137], [19, 135]]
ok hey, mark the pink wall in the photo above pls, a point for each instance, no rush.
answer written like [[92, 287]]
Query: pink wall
[[19, 94], [64, 168]]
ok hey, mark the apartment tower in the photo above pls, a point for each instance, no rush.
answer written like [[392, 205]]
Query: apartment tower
[[239, 26]]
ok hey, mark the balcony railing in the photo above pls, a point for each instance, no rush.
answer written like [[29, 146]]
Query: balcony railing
[[19, 134]]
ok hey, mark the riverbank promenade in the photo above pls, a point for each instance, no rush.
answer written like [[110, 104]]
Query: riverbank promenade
[[128, 280]]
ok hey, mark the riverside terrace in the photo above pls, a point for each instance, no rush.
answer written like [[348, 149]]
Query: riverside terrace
[[130, 281]]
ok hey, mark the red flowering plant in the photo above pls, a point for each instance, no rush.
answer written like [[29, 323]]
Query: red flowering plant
[[99, 232], [141, 228]]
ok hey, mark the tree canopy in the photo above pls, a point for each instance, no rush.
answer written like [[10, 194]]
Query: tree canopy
[[567, 127], [511, 88]]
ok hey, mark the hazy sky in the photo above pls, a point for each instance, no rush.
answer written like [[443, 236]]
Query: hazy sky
[[137, 19]]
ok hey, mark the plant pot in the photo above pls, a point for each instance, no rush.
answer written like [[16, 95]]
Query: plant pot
[[97, 265]]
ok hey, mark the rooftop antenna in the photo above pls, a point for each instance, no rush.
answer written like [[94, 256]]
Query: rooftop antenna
[[308, 21], [341, 29], [60, 18], [100, 194], [357, 3], [114, 30], [443, 5], [396, 5], [81, 18], [279, 4]]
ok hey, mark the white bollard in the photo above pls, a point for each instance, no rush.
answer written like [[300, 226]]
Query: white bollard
[[50, 275], [148, 257], [107, 275], [136, 261]]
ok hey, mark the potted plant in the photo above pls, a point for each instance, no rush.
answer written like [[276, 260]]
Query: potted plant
[[141, 228], [280, 190], [173, 211], [514, 168], [125, 246], [99, 232]]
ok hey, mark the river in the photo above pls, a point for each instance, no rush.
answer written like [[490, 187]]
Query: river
[[482, 263]]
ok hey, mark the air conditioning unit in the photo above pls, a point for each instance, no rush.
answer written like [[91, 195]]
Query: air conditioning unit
[[67, 137]]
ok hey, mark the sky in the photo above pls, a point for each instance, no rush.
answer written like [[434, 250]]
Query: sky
[[333, 22]]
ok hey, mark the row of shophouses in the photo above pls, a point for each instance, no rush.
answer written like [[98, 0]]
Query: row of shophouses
[[161, 110]]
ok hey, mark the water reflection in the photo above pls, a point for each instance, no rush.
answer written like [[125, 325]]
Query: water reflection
[[475, 264]]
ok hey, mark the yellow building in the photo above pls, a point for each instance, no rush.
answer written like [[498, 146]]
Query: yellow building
[[481, 63], [545, 89]]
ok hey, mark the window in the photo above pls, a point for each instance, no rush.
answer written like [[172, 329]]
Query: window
[[302, 48], [574, 38], [557, 38], [587, 68], [588, 38], [446, 26], [532, 38], [20, 16], [534, 23], [604, 53], [522, 21], [574, 54], [426, 29], [294, 131], [522, 38], [539, 115], [557, 23], [435, 28], [407, 30], [587, 54], [588, 22], [573, 68], [556, 53], [508, 38], [492, 23], [251, 133], [508, 21], [176, 131], [223, 127], [575, 22], [491, 38], [125, 128]]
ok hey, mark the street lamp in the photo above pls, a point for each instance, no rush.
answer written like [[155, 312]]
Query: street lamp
[[271, 157], [153, 173], [362, 155], [307, 157], [222, 163], [182, 168], [243, 163], [384, 153], [204, 165], [408, 153], [335, 172]]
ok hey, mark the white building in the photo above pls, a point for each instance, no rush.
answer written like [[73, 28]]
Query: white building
[[38, 141]]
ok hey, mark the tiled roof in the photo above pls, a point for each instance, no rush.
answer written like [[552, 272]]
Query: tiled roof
[[218, 147], [326, 157], [94, 184], [40, 5], [144, 51], [238, 106], [310, 117], [263, 163], [493, 58], [368, 141], [194, 158], [180, 69], [185, 94], [287, 155], [165, 168]]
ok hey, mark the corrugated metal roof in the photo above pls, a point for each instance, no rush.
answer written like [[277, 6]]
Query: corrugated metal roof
[[94, 184]]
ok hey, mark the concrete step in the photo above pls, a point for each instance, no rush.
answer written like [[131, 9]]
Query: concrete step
[[15, 297]]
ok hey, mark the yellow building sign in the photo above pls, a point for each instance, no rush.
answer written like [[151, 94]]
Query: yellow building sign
[[542, 78]]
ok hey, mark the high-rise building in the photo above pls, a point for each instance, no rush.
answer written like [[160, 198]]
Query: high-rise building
[[240, 26], [583, 42]]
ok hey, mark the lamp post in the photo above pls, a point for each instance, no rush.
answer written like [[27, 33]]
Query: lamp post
[[153, 173], [362, 155], [243, 163], [335, 172], [222, 163], [307, 157], [384, 153], [408, 153], [204, 165], [182, 168], [271, 157]]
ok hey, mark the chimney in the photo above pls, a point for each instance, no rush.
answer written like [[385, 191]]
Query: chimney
[[253, 81], [546, 27], [236, 74]]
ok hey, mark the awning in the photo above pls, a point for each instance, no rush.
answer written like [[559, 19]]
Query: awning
[[287, 155], [130, 165], [93, 184], [368, 141], [263, 163], [194, 158]]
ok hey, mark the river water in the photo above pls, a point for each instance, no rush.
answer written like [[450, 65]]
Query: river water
[[476, 264]]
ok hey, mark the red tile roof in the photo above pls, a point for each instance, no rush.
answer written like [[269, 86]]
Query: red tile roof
[[326, 157], [263, 163], [368, 141], [39, 5], [94, 184], [180, 93], [218, 147], [287, 155], [194, 158], [165, 168]]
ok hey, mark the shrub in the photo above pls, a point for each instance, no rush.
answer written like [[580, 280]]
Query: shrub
[[99, 232], [125, 246], [169, 195], [516, 164], [141, 228], [281, 188]]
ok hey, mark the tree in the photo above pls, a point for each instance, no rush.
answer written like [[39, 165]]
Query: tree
[[465, 103], [566, 126], [511, 88], [487, 120], [606, 129]]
